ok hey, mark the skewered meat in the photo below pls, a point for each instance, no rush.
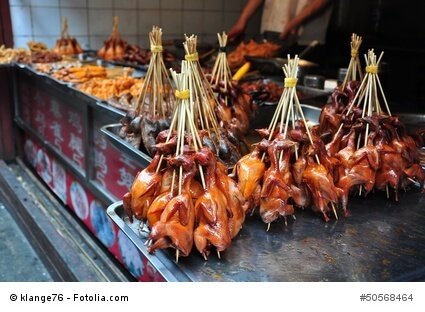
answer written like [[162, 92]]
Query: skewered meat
[[158, 206], [143, 191], [135, 54], [357, 168], [114, 47], [249, 171], [320, 183], [211, 210], [227, 151], [150, 128], [207, 141], [237, 139], [276, 189], [235, 200], [331, 115], [175, 226]]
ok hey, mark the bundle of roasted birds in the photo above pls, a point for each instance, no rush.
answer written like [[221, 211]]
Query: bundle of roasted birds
[[286, 171], [114, 47], [67, 45], [373, 147], [289, 167], [185, 194], [221, 126], [180, 216], [236, 58], [233, 110], [155, 103]]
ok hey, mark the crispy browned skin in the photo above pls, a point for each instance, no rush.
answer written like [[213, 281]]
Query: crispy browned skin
[[212, 211], [276, 190], [356, 168], [320, 183], [176, 224], [235, 201], [143, 191], [249, 171]]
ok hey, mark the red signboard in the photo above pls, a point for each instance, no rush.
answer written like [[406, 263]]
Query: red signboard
[[89, 209], [54, 121], [114, 170]]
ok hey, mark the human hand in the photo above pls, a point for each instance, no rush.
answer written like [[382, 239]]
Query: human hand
[[237, 30], [290, 29]]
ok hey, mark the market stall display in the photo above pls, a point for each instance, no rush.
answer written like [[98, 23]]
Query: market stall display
[[9, 55], [190, 134], [122, 91]]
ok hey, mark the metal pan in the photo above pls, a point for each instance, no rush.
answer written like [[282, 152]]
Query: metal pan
[[111, 132], [381, 241]]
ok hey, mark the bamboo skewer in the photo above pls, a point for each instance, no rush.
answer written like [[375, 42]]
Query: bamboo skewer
[[354, 66], [221, 70], [185, 118], [285, 112], [156, 96], [202, 93]]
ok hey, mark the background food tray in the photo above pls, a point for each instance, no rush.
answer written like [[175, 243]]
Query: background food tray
[[123, 146], [381, 241]]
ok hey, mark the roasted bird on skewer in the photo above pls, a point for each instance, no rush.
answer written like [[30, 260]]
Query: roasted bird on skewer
[[212, 210], [176, 223], [114, 47], [185, 194], [67, 45]]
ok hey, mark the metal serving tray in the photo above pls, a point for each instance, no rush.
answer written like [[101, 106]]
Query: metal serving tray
[[381, 241], [111, 131]]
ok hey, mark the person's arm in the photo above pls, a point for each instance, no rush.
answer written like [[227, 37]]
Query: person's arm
[[250, 7], [303, 16]]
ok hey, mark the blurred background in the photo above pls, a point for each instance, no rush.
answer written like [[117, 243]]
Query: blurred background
[[393, 26]]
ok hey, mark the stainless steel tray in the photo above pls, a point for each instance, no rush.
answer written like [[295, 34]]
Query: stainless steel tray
[[111, 131], [381, 241]]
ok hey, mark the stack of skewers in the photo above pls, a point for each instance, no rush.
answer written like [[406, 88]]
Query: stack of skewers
[[289, 167], [234, 110], [185, 194], [226, 142], [155, 103], [373, 147]]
